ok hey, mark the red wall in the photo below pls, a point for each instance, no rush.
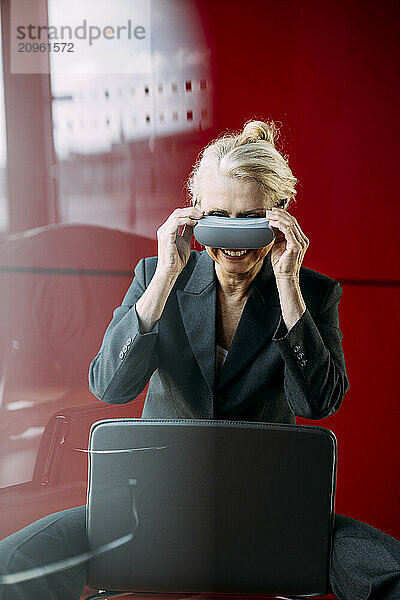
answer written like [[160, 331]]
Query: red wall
[[329, 73]]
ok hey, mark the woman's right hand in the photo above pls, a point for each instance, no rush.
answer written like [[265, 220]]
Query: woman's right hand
[[174, 249]]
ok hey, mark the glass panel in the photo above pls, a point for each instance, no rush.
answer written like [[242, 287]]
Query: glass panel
[[4, 221], [125, 142]]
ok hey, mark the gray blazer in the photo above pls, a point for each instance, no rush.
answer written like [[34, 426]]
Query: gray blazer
[[269, 375]]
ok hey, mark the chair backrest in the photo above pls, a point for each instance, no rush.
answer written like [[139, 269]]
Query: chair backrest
[[61, 282], [196, 506]]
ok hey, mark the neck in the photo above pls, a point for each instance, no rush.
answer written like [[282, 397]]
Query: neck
[[236, 286]]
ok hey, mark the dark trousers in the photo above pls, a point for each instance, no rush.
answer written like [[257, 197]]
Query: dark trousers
[[365, 561]]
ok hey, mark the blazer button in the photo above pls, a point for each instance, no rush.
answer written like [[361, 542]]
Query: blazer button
[[296, 348], [303, 363], [300, 355], [124, 349], [128, 341], [121, 355]]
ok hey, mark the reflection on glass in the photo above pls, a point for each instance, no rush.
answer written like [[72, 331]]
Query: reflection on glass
[[116, 133], [4, 220], [125, 143]]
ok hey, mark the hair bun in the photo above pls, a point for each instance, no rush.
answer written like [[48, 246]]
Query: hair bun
[[254, 131]]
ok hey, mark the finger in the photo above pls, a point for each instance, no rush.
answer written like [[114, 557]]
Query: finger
[[277, 219], [303, 240], [281, 213], [283, 222], [279, 236], [290, 233], [172, 226], [184, 220], [187, 233], [287, 220], [192, 211]]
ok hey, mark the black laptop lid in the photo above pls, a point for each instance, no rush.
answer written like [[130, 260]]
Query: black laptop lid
[[200, 506]]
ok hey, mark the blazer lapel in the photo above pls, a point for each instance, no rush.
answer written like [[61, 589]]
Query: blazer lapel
[[197, 305], [258, 322]]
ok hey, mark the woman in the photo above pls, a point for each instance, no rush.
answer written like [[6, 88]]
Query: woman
[[222, 333], [185, 309]]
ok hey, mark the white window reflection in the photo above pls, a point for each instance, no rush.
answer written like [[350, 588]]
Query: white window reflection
[[106, 124]]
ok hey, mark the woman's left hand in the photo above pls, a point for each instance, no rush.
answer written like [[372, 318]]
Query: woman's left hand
[[290, 244]]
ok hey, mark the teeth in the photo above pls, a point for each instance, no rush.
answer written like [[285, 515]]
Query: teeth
[[234, 253]]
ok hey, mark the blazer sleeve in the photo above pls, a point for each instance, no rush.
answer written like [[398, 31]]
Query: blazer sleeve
[[127, 358], [315, 378]]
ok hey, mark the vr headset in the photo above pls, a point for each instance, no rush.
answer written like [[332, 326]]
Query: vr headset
[[236, 233]]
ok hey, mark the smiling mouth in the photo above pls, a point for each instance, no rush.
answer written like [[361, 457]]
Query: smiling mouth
[[234, 253]]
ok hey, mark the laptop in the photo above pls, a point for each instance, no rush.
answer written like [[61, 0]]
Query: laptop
[[208, 507]]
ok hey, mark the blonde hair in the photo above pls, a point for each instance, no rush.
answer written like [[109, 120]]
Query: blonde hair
[[249, 154]]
